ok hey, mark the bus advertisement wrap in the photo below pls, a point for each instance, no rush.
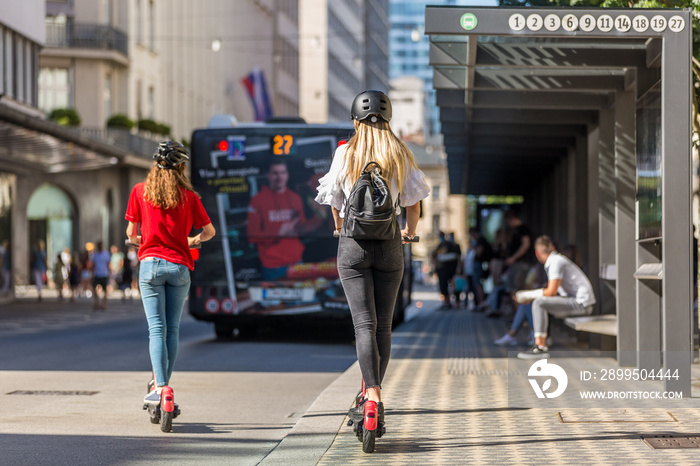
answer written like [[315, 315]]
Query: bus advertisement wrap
[[274, 253]]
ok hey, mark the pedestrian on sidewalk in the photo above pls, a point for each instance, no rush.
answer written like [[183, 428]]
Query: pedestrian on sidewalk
[[568, 293], [166, 208], [536, 278], [86, 270], [58, 278], [371, 270], [74, 275], [116, 267], [100, 260], [39, 266], [446, 259], [6, 267], [474, 269], [519, 257], [125, 280]]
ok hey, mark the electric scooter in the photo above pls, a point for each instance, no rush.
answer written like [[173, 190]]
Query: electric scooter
[[165, 411], [367, 420]]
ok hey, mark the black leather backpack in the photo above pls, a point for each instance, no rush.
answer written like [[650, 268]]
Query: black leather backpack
[[369, 210]]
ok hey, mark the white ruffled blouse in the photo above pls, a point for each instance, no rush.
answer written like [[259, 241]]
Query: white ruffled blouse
[[330, 191]]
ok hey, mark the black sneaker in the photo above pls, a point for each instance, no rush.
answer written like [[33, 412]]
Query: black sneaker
[[535, 352], [381, 428], [357, 413]]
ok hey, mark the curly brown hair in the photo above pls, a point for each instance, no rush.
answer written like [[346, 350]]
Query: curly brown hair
[[162, 186]]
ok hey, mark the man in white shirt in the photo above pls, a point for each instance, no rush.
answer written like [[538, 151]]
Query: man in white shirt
[[568, 293]]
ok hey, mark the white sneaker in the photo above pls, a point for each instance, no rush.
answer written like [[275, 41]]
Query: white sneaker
[[536, 352], [506, 340], [152, 398]]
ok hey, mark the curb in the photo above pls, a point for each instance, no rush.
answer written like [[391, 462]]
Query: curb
[[314, 433]]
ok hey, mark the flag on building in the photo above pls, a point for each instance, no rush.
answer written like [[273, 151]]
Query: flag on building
[[256, 86]]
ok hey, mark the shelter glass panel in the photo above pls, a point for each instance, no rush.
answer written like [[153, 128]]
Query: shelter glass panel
[[649, 164]]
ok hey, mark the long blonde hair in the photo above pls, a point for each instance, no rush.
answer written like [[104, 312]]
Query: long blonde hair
[[376, 142], [162, 186]]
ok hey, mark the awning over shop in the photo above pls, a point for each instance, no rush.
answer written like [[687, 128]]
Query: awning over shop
[[30, 143]]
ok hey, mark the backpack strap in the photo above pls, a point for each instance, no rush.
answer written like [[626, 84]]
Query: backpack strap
[[364, 170]]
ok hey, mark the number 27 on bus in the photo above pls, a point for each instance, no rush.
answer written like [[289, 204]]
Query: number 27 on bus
[[283, 144]]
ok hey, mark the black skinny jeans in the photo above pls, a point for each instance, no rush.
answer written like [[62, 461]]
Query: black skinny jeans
[[371, 272]]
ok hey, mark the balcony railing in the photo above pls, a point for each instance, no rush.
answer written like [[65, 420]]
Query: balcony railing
[[121, 139], [89, 36]]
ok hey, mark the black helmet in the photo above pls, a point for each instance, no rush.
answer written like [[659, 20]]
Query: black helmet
[[371, 103], [170, 154]]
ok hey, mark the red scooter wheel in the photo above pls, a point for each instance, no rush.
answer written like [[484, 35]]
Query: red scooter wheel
[[167, 409]]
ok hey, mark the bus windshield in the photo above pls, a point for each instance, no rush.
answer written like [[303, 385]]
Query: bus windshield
[[274, 252]]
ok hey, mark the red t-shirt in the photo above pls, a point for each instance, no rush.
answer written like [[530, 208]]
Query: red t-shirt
[[164, 231], [267, 212]]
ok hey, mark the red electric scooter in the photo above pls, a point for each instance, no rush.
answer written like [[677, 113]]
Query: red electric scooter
[[367, 420]]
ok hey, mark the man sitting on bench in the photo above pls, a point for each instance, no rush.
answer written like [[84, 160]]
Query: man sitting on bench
[[568, 293]]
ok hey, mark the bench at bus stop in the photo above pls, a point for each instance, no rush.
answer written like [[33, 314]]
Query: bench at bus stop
[[604, 325]]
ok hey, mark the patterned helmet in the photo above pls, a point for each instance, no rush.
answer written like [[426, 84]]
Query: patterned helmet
[[170, 154]]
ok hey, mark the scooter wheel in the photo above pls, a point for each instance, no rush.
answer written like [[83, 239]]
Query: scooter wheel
[[155, 415], [368, 440], [166, 421]]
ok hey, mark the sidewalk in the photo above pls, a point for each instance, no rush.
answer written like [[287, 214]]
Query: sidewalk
[[23, 313], [447, 403]]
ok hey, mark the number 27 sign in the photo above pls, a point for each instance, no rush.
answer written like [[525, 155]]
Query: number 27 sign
[[618, 23]]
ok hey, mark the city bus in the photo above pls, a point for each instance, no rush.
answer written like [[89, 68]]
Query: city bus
[[273, 259]]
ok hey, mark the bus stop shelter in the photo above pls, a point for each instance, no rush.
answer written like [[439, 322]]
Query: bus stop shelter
[[587, 114]]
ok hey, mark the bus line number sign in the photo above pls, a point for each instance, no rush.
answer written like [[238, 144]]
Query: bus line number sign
[[283, 144], [619, 23]]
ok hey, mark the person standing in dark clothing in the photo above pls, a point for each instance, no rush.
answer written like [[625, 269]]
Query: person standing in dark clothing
[[520, 253], [455, 249], [482, 253], [446, 258]]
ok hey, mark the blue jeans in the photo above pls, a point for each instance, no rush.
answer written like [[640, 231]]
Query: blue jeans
[[164, 288], [524, 312]]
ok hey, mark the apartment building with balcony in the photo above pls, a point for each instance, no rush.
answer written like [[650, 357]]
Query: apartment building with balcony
[[56, 184], [173, 61]]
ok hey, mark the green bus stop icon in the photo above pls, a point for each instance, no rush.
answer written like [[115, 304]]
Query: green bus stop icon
[[468, 21]]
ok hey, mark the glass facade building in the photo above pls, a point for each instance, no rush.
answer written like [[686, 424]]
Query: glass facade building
[[409, 47]]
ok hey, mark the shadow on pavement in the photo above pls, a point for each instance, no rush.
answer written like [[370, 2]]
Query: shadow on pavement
[[424, 445]]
